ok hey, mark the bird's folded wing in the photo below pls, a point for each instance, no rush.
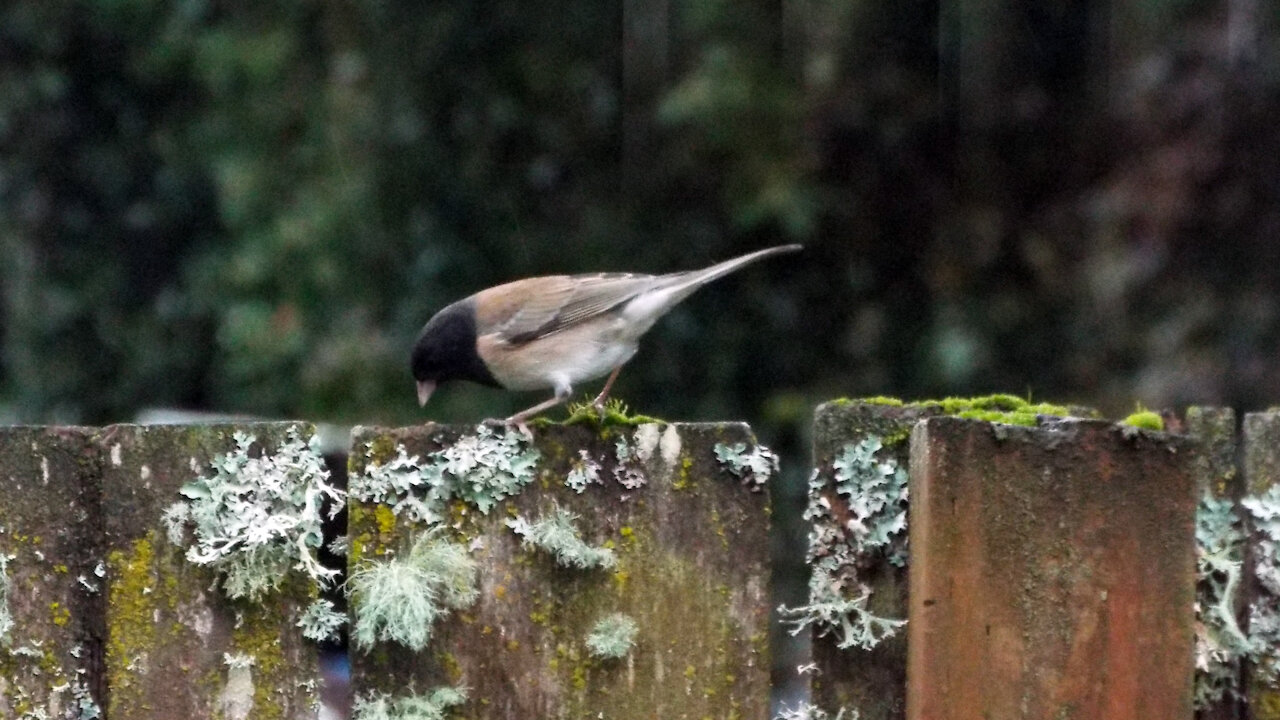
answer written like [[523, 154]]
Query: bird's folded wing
[[526, 310]]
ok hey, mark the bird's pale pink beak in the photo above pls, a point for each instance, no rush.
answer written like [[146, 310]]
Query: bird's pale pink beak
[[425, 388]]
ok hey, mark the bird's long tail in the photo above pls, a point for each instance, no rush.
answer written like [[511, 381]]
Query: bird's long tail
[[682, 284], [677, 286]]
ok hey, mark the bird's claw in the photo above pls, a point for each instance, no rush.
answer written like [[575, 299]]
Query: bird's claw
[[517, 422]]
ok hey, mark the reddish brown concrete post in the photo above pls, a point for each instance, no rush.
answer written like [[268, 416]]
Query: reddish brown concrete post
[[1052, 572]]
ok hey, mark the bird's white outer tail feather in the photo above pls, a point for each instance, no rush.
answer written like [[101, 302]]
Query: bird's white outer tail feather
[[653, 303]]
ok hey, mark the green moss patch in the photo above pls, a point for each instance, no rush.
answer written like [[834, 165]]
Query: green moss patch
[[999, 408], [1145, 420]]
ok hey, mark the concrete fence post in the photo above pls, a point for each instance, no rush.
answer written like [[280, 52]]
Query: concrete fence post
[[1052, 573], [1261, 439], [50, 577], [874, 680], [176, 646], [582, 572]]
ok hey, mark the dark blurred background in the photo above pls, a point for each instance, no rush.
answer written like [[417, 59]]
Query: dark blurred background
[[250, 207]]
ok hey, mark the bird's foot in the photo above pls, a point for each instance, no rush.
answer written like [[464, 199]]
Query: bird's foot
[[519, 421]]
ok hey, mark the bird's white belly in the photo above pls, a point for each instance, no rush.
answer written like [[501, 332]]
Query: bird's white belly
[[566, 358]]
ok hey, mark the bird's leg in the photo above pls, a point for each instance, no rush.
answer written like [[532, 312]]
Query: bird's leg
[[562, 394], [598, 403]]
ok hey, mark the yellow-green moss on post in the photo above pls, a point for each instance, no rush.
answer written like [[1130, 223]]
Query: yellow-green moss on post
[[692, 571], [169, 629]]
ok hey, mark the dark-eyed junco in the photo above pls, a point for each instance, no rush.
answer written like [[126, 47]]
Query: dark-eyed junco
[[553, 332]]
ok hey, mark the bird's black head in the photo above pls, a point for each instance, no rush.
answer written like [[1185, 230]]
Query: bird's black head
[[446, 350]]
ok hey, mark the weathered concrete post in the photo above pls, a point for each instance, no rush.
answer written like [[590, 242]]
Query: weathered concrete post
[[50, 594], [176, 647], [1218, 478], [874, 680], [1261, 438], [544, 538], [1052, 572]]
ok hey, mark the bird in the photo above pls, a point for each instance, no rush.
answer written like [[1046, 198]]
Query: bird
[[555, 331]]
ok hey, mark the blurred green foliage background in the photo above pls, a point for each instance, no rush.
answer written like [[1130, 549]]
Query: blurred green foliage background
[[252, 207]]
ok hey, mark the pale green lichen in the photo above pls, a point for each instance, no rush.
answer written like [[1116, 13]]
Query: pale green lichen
[[238, 661], [399, 599], [321, 622], [754, 465], [257, 517], [1264, 612], [626, 472], [612, 637], [583, 473], [1221, 644], [85, 707], [6, 619], [480, 470], [807, 711], [556, 534], [874, 492], [435, 706]]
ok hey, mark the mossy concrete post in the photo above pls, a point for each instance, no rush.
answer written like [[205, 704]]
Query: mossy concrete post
[[1214, 430], [1052, 572], [175, 646], [1261, 439], [871, 681], [50, 596], [691, 542]]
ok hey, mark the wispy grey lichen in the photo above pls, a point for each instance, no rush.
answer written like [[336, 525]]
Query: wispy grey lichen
[[612, 637], [480, 470], [400, 599], [435, 706], [556, 534], [807, 711], [321, 622], [874, 493], [254, 518], [754, 466]]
